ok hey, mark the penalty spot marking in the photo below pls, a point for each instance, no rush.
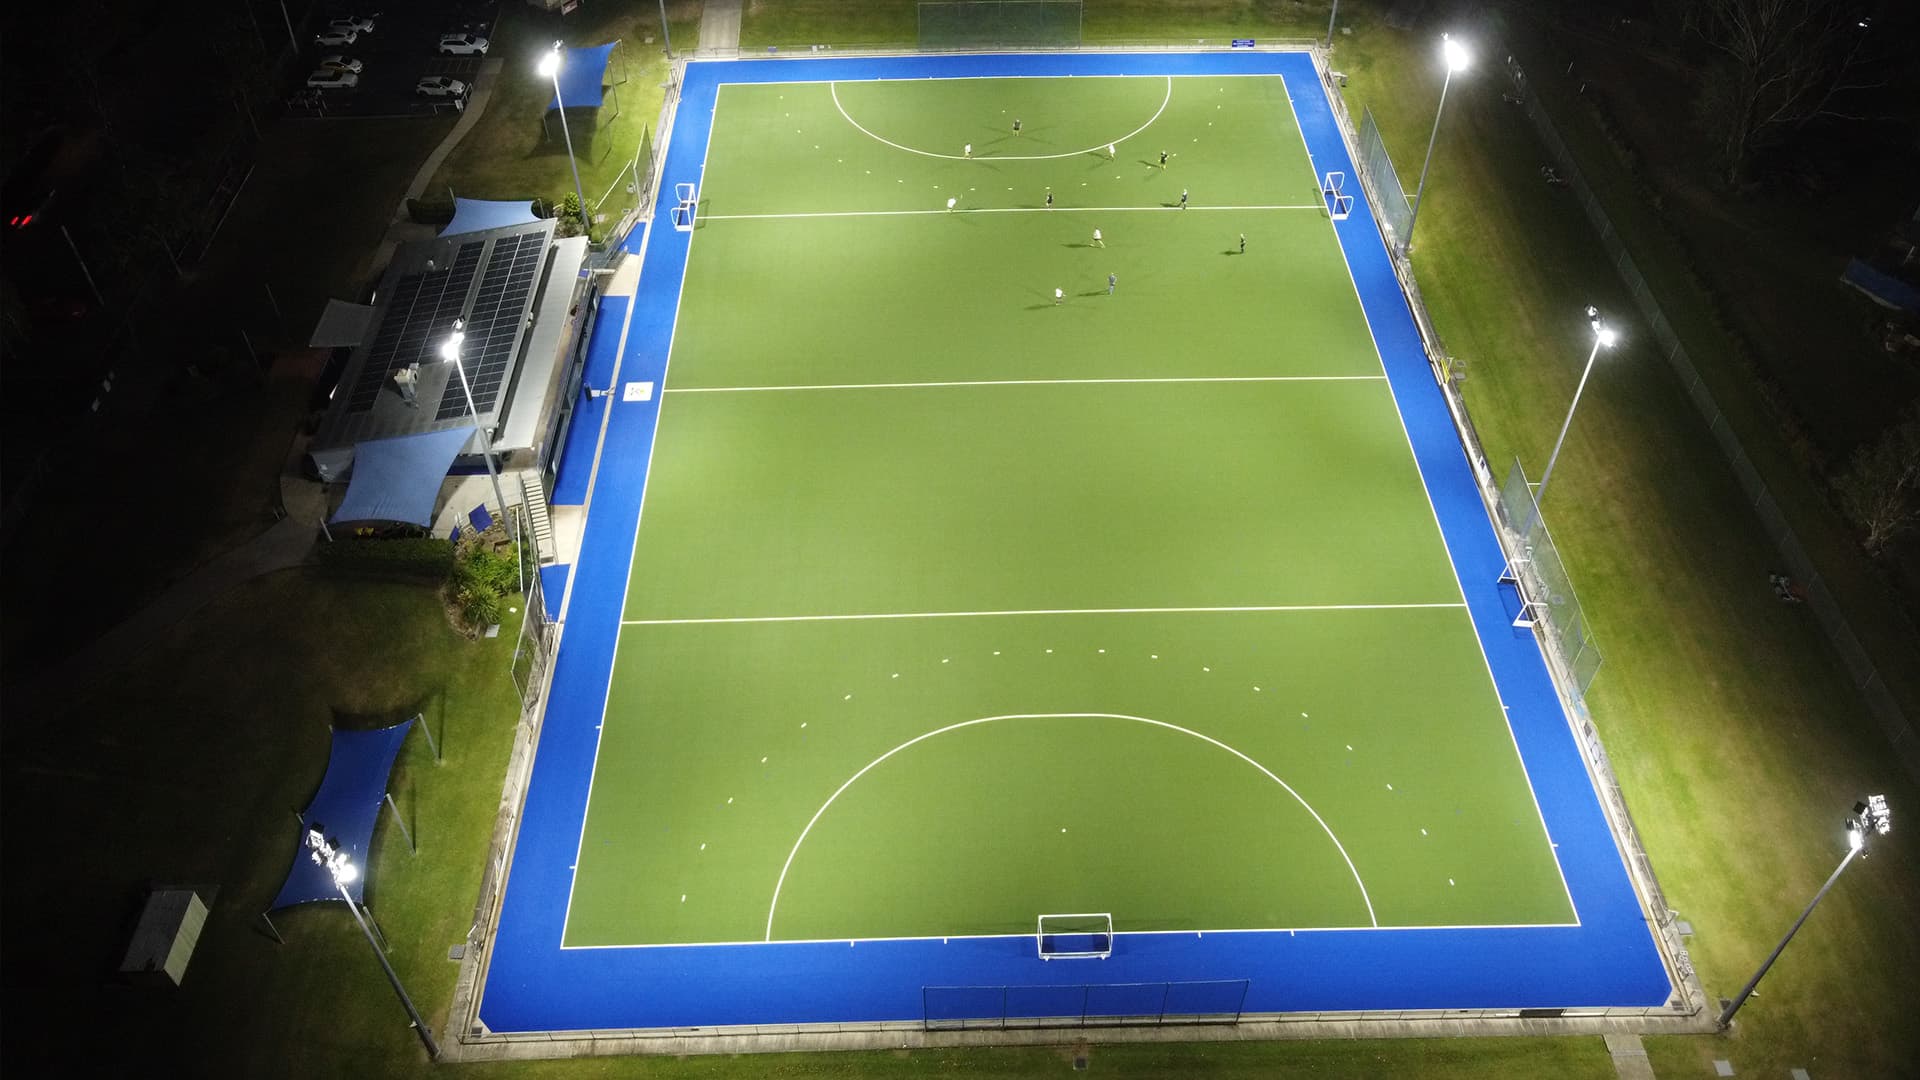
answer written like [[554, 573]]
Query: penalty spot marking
[[1036, 611], [936, 385], [774, 905]]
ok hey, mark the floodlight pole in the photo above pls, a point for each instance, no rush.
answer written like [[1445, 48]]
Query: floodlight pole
[[1870, 819], [1331, 19], [1456, 61], [326, 853], [552, 66], [1601, 336], [451, 351], [419, 1024], [665, 34]]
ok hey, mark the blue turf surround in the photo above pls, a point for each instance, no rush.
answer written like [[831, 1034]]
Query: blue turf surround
[[533, 985]]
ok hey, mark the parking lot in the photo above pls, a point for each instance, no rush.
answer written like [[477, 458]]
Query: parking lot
[[399, 51]]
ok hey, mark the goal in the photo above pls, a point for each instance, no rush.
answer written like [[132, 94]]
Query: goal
[[1085, 936], [687, 197], [1339, 204]]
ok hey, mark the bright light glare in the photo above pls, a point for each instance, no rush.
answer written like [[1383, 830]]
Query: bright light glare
[[1608, 337], [450, 348], [1456, 53], [345, 873], [550, 63], [1855, 840]]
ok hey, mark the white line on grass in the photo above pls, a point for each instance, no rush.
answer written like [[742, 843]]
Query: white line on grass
[[834, 89], [1024, 382], [1546, 831], [1001, 210], [1035, 611], [774, 905]]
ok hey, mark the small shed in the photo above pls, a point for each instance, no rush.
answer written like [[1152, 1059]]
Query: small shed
[[164, 939]]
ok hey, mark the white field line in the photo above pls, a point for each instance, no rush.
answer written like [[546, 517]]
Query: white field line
[[1000, 210], [1197, 932], [1553, 849], [1023, 382], [1035, 611], [774, 904], [834, 90]]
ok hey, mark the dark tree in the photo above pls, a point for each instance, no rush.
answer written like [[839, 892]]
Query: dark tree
[[1783, 64]]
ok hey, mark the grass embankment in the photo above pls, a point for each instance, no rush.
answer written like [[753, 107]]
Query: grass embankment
[[1730, 721], [515, 150]]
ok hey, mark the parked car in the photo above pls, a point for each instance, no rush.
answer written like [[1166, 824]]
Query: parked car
[[464, 45], [337, 62], [355, 23], [325, 79], [440, 86], [333, 39]]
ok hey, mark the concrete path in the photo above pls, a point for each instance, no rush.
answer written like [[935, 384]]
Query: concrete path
[[1629, 1057], [720, 28]]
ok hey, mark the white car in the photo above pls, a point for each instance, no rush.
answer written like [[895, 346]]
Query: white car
[[464, 45], [440, 86], [337, 62], [355, 23], [335, 38], [327, 79]]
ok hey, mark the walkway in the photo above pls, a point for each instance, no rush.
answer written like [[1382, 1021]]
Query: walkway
[[720, 28]]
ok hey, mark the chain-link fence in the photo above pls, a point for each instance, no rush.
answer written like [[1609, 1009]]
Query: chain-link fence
[[1547, 597], [1390, 205], [1860, 666]]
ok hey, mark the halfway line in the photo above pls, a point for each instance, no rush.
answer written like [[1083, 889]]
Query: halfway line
[[1043, 611], [1023, 382], [994, 210]]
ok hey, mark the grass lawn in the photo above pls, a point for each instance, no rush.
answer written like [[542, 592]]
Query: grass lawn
[[507, 155]]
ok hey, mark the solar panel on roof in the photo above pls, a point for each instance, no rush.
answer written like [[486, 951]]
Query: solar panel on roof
[[493, 324], [418, 317]]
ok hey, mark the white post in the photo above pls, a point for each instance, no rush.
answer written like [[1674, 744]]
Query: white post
[[1601, 336], [550, 65], [451, 351]]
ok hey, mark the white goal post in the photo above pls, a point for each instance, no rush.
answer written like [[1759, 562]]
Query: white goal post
[[1339, 204], [687, 197], [1083, 936]]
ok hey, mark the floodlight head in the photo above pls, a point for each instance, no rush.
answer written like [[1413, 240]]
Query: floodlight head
[[550, 63], [1855, 840], [1456, 54], [1879, 818], [1607, 336], [450, 348], [345, 872]]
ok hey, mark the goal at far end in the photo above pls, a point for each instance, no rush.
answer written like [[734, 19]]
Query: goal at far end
[[1087, 936]]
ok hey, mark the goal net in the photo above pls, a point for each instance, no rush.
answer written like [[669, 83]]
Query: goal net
[[970, 24], [1080, 936]]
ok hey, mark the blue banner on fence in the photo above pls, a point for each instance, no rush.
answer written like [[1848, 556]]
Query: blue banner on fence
[[1243, 43]]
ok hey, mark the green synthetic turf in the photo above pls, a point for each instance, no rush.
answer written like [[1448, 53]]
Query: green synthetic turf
[[969, 768]]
